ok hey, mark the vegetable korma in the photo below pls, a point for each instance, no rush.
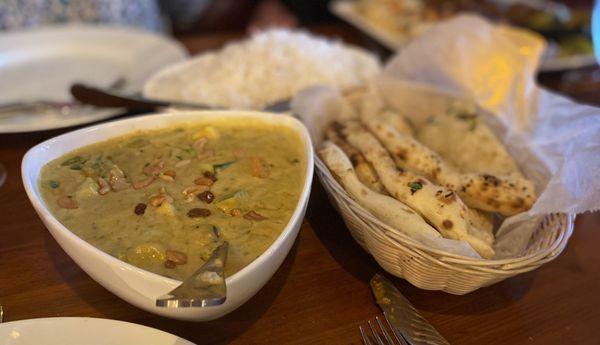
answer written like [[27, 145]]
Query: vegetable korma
[[163, 200]]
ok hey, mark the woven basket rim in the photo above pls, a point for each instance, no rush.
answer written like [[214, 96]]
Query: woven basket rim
[[445, 258]]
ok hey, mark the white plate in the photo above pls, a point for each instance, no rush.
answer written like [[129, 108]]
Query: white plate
[[345, 10], [42, 63], [83, 330]]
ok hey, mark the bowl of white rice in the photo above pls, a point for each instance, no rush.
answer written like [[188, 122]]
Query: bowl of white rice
[[268, 67]]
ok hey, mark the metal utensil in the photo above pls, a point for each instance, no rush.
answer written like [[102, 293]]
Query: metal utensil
[[45, 106], [380, 335], [106, 98], [111, 98], [402, 315], [205, 288]]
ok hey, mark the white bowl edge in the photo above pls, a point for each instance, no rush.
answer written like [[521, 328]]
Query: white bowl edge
[[135, 285]]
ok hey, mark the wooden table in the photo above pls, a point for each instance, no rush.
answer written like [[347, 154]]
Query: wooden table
[[320, 294]]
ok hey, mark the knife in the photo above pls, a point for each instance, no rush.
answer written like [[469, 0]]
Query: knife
[[110, 98], [402, 315]]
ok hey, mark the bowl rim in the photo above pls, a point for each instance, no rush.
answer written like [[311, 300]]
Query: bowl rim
[[177, 117]]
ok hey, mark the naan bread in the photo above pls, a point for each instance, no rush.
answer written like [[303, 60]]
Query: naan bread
[[466, 142], [439, 205], [369, 104], [364, 170], [385, 208], [507, 195]]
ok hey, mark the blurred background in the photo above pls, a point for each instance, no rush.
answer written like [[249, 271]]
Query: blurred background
[[208, 24]]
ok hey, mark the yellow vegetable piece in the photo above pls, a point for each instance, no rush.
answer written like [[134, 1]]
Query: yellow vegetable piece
[[147, 252], [228, 204], [86, 189], [166, 209], [209, 131]]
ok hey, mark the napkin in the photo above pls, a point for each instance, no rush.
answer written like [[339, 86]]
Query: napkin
[[555, 140]]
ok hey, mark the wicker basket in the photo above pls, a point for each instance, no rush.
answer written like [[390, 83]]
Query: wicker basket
[[433, 269]]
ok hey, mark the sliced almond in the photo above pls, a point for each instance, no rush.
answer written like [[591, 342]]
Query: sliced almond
[[104, 186], [143, 183], [183, 163]]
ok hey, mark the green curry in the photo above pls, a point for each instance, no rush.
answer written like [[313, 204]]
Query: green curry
[[163, 200]]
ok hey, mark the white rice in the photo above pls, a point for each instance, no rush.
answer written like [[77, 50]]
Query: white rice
[[270, 66]]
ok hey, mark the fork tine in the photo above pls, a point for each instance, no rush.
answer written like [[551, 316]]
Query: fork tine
[[375, 334], [399, 337], [384, 331], [364, 337]]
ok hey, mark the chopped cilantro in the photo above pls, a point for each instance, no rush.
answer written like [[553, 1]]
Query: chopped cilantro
[[415, 186], [222, 166]]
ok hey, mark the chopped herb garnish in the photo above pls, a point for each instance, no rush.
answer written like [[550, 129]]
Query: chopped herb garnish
[[73, 160], [190, 151], [222, 166], [238, 194], [470, 118], [75, 163], [466, 116], [216, 231], [97, 165], [54, 184], [138, 142], [415, 186]]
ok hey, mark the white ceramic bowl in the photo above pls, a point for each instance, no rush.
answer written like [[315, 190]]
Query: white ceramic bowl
[[135, 285]]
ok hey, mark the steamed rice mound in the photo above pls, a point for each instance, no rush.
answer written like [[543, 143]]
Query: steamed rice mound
[[270, 66]]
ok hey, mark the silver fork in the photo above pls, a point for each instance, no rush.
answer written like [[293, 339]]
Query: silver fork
[[380, 335]]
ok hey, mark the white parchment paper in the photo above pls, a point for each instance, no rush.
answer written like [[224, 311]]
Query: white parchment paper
[[555, 140]]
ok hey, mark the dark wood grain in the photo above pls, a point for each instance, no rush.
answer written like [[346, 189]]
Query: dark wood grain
[[320, 294]]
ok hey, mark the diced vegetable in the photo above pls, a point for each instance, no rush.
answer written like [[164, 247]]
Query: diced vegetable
[[166, 209], [208, 132], [86, 189], [147, 252], [256, 167]]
